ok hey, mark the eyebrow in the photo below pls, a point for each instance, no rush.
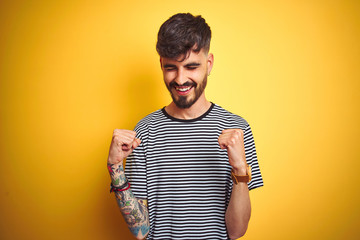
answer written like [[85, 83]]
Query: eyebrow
[[169, 66], [193, 64]]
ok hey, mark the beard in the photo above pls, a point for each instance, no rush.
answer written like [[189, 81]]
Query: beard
[[187, 101]]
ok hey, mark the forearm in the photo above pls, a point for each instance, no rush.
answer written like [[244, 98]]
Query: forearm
[[134, 210], [238, 212]]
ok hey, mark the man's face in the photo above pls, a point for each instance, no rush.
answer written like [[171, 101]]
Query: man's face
[[186, 80]]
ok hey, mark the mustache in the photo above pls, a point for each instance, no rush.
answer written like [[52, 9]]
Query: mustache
[[186, 84]]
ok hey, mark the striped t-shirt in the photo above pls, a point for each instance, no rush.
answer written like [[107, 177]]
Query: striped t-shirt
[[184, 175]]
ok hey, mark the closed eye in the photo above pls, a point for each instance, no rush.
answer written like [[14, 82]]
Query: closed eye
[[192, 66], [169, 67]]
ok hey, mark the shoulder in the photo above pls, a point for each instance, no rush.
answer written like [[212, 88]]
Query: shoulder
[[144, 123], [230, 118]]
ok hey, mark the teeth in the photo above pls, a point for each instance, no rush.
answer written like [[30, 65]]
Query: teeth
[[182, 89]]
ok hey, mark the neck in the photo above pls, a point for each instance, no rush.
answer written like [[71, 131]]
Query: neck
[[195, 111]]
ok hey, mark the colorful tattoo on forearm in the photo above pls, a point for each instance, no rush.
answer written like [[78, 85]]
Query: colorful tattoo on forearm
[[117, 174], [134, 211]]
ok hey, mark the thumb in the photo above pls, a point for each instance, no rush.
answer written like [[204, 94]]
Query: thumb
[[222, 145], [136, 143]]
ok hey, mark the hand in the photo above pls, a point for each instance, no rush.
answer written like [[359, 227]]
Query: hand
[[233, 141], [122, 144]]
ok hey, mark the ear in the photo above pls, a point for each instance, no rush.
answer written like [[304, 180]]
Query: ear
[[210, 62]]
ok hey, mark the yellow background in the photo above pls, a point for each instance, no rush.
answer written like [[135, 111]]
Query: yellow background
[[72, 71]]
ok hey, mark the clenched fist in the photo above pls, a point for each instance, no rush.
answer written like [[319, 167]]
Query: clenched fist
[[122, 144], [233, 141]]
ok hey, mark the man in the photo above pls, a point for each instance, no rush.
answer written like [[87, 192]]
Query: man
[[182, 159]]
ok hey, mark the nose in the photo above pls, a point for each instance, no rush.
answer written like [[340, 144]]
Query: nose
[[180, 77]]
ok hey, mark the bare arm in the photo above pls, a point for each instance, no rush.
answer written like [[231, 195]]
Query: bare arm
[[134, 211], [239, 209]]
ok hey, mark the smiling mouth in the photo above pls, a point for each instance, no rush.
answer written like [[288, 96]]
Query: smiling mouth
[[183, 89]]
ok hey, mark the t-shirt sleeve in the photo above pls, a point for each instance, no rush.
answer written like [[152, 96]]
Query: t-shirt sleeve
[[135, 166], [251, 158]]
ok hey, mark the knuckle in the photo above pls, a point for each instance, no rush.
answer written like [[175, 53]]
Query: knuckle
[[238, 131], [117, 132], [114, 137]]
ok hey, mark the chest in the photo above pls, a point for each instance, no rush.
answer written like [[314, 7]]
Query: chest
[[185, 153]]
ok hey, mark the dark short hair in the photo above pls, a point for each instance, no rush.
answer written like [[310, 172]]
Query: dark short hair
[[181, 33]]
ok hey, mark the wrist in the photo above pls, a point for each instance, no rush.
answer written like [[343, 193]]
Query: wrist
[[114, 163], [115, 160], [120, 188], [240, 170], [239, 175]]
